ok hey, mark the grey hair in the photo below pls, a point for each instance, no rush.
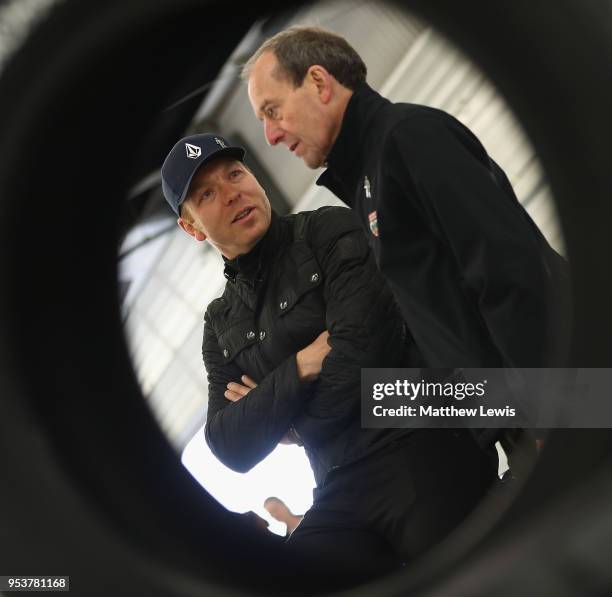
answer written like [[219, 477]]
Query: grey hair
[[298, 48]]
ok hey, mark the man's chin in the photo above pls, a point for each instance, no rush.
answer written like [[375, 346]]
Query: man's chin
[[313, 162], [258, 232]]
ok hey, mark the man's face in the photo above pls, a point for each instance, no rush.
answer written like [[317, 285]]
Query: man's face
[[226, 206], [298, 117]]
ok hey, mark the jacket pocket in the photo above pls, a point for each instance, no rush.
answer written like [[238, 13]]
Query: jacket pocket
[[234, 339], [298, 281]]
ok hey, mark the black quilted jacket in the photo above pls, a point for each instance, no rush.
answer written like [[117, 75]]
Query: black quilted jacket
[[311, 271]]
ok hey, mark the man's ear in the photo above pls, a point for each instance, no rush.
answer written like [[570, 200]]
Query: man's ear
[[323, 81], [191, 230]]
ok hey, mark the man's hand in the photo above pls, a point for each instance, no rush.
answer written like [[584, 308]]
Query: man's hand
[[310, 359], [236, 391]]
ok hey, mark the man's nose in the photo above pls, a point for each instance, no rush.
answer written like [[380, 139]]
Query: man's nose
[[272, 132], [230, 195]]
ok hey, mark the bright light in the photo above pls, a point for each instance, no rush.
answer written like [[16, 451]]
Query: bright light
[[285, 473]]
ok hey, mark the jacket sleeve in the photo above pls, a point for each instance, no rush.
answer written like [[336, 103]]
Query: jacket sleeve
[[241, 434], [364, 322], [447, 180]]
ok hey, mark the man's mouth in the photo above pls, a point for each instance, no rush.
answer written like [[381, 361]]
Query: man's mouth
[[243, 214]]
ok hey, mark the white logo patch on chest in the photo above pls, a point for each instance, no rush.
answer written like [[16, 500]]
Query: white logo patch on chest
[[367, 188]]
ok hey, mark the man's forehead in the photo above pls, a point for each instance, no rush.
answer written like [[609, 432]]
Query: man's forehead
[[264, 83], [217, 165], [264, 66], [207, 172]]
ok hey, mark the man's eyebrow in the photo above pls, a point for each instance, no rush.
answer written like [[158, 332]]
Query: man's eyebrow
[[195, 188], [201, 183]]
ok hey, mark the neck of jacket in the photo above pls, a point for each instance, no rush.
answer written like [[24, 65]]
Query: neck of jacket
[[353, 144]]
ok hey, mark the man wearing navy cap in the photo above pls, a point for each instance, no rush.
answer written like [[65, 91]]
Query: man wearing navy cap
[[303, 310], [206, 166]]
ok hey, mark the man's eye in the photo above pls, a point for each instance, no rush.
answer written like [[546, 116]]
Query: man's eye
[[270, 112], [235, 173], [207, 194]]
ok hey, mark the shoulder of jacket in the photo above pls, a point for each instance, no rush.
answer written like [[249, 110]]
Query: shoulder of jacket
[[327, 223], [424, 134], [417, 119], [217, 306]]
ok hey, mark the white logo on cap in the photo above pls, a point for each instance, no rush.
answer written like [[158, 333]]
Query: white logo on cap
[[220, 143], [193, 151]]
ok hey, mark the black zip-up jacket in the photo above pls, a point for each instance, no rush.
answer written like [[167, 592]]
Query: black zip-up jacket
[[310, 272], [477, 282]]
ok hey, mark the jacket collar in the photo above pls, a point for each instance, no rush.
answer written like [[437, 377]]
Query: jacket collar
[[250, 266], [346, 156]]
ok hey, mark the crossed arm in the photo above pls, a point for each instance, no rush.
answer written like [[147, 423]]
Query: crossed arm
[[246, 419], [309, 361]]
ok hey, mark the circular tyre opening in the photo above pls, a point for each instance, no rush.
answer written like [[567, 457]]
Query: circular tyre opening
[[93, 489]]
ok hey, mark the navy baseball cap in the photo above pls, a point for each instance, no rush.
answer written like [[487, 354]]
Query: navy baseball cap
[[184, 160]]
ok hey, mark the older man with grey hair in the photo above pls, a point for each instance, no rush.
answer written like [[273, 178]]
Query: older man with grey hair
[[477, 282]]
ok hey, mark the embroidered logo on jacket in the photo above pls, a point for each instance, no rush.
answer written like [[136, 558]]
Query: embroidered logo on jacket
[[373, 222]]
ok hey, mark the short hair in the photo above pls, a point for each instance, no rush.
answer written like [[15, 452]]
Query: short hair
[[298, 48], [185, 214]]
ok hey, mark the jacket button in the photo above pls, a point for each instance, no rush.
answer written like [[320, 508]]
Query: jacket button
[[250, 335], [225, 353], [314, 278], [262, 335], [283, 305]]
